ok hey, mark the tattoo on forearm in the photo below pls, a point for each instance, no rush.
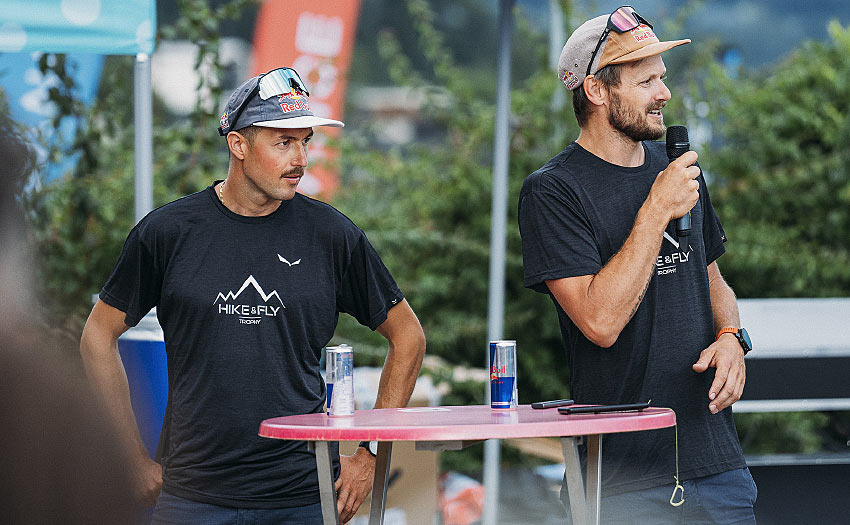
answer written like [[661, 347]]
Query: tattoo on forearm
[[640, 297]]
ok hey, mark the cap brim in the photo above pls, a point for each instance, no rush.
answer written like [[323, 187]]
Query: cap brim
[[299, 123], [650, 50]]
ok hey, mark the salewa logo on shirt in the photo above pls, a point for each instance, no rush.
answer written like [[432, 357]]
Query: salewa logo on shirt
[[246, 312], [668, 263], [282, 259]]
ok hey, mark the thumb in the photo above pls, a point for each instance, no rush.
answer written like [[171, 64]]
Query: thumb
[[704, 361]]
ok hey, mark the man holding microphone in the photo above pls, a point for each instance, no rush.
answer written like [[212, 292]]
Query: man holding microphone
[[644, 313]]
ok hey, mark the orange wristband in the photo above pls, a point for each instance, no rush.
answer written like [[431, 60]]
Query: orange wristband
[[727, 331]]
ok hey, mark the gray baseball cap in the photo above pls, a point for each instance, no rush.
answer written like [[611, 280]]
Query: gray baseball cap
[[615, 48], [277, 99]]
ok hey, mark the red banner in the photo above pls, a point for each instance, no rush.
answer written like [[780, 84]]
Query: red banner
[[315, 38]]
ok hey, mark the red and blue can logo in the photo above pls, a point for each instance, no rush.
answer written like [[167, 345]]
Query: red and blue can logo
[[503, 388]]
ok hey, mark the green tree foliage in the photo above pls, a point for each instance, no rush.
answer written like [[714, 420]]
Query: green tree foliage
[[782, 175], [18, 156], [782, 188], [81, 220], [473, 50], [426, 207], [772, 433]]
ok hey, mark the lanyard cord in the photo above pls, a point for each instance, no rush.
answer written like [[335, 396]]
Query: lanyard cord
[[678, 488]]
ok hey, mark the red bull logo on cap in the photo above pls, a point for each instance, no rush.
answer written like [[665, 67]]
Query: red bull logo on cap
[[570, 80], [297, 103], [642, 32]]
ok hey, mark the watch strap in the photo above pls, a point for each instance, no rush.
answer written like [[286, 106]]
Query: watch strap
[[728, 330], [740, 334]]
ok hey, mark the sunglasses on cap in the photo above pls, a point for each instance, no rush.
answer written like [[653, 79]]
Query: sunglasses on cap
[[623, 19], [280, 81]]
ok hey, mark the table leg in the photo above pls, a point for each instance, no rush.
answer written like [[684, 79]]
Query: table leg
[[379, 484], [575, 483], [327, 492], [584, 499], [594, 477]]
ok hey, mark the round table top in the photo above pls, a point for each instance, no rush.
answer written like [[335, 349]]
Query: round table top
[[452, 423]]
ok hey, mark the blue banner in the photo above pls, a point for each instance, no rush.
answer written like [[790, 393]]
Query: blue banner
[[26, 92], [108, 27]]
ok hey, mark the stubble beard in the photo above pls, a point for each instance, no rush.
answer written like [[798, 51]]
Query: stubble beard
[[631, 124]]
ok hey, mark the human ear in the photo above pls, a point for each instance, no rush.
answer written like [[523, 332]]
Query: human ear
[[237, 144], [595, 92]]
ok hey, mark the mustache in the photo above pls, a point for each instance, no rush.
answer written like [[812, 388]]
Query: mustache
[[657, 105], [299, 171]]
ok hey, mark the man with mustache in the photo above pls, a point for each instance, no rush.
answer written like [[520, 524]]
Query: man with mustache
[[644, 314], [244, 331]]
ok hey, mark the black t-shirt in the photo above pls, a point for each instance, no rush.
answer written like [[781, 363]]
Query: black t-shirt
[[575, 213], [246, 305]]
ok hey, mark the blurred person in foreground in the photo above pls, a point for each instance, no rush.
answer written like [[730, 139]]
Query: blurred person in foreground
[[59, 462], [643, 314], [248, 278]]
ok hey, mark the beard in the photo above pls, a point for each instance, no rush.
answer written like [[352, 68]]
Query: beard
[[633, 124]]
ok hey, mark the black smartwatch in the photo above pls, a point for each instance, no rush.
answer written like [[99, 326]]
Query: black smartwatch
[[371, 446], [741, 335]]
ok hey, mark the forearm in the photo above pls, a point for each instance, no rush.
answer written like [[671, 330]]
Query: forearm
[[108, 378], [398, 376], [724, 304], [725, 354], [603, 305], [404, 358], [618, 289]]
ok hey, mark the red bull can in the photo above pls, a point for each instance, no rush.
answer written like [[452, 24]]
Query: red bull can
[[339, 377], [503, 388]]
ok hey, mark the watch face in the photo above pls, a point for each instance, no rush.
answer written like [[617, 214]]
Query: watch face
[[371, 446], [745, 338]]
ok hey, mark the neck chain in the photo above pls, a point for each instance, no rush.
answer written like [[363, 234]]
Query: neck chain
[[221, 190]]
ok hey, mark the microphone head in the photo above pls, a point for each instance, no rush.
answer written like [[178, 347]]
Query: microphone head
[[677, 141]]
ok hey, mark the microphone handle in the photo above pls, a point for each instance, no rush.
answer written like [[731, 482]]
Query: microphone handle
[[677, 145], [683, 225]]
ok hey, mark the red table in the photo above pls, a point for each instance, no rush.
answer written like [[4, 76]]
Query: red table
[[454, 427]]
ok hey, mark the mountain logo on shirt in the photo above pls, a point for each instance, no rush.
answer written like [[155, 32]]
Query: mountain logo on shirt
[[667, 264], [246, 311]]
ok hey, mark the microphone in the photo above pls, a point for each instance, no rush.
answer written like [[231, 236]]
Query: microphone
[[677, 145]]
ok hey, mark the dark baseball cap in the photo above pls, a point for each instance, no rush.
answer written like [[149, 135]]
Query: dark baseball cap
[[277, 99]]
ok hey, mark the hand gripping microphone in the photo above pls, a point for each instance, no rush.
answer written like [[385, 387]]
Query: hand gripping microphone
[[677, 145]]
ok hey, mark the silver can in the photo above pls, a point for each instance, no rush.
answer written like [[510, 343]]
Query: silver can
[[503, 388], [339, 377]]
